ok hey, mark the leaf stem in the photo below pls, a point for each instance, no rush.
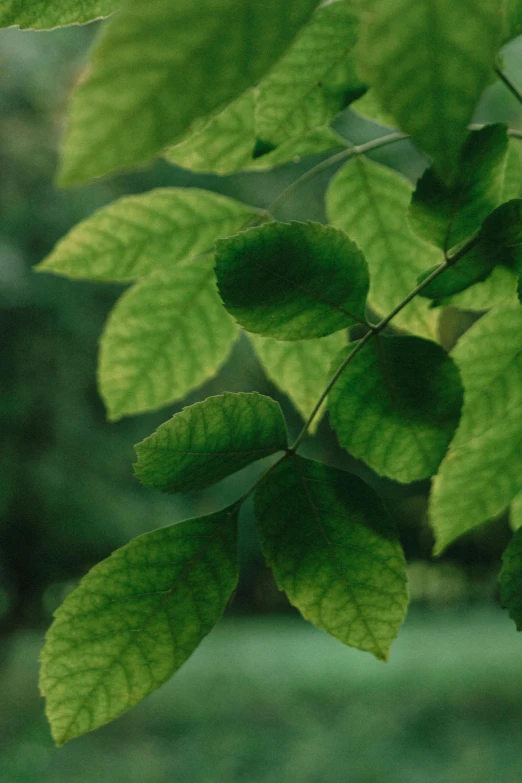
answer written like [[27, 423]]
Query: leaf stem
[[378, 328], [509, 84]]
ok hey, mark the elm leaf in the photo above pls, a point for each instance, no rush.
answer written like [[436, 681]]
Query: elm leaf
[[334, 551], [210, 440], [135, 619], [292, 281], [396, 406]]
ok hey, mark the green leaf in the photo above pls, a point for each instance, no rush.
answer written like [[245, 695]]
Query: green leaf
[[166, 336], [511, 579], [428, 61], [512, 13], [474, 267], [334, 551], [45, 14], [292, 281], [300, 92], [370, 202], [397, 405], [447, 215], [515, 512], [482, 471], [135, 619], [497, 288], [226, 143], [137, 235], [210, 440], [160, 65], [300, 369], [512, 187], [504, 225], [368, 106]]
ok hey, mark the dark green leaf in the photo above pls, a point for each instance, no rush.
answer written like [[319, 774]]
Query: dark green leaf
[[512, 19], [476, 266], [292, 281], [397, 405], [160, 65], [166, 335], [447, 215], [504, 225], [135, 619], [370, 202], [308, 85], [429, 61], [511, 579], [137, 235], [45, 14], [482, 471], [300, 369], [334, 551], [210, 440], [500, 286]]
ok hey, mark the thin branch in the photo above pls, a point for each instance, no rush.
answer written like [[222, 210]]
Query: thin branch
[[509, 84]]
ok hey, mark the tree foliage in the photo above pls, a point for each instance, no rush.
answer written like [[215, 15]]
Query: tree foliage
[[240, 85]]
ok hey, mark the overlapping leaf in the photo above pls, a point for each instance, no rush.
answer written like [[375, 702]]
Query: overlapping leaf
[[45, 14], [165, 336], [309, 84], [370, 202], [482, 471], [210, 440], [397, 405], [334, 551], [300, 369], [511, 579], [428, 61], [292, 281], [161, 65], [135, 619], [474, 267], [497, 288], [449, 214], [137, 235]]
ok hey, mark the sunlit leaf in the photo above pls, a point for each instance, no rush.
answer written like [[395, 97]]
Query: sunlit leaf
[[134, 620], [45, 14]]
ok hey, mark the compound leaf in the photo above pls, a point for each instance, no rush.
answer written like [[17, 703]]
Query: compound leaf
[[449, 214], [511, 579], [167, 335], [370, 202], [397, 405], [46, 14], [428, 61], [292, 281], [300, 369], [210, 440], [302, 92], [135, 619], [137, 235], [482, 471], [334, 551], [161, 65]]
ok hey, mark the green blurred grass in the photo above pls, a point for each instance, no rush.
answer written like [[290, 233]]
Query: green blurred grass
[[271, 700]]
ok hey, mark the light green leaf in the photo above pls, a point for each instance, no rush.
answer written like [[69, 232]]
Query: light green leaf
[[498, 287], [308, 85], [166, 336], [334, 551], [428, 61], [226, 143], [46, 14], [210, 440], [447, 215], [292, 281], [368, 106], [396, 406], [300, 369], [161, 65], [511, 579], [515, 512], [135, 619], [370, 202], [137, 235], [482, 471], [512, 186]]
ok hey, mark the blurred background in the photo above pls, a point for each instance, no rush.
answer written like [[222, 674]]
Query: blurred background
[[266, 698]]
